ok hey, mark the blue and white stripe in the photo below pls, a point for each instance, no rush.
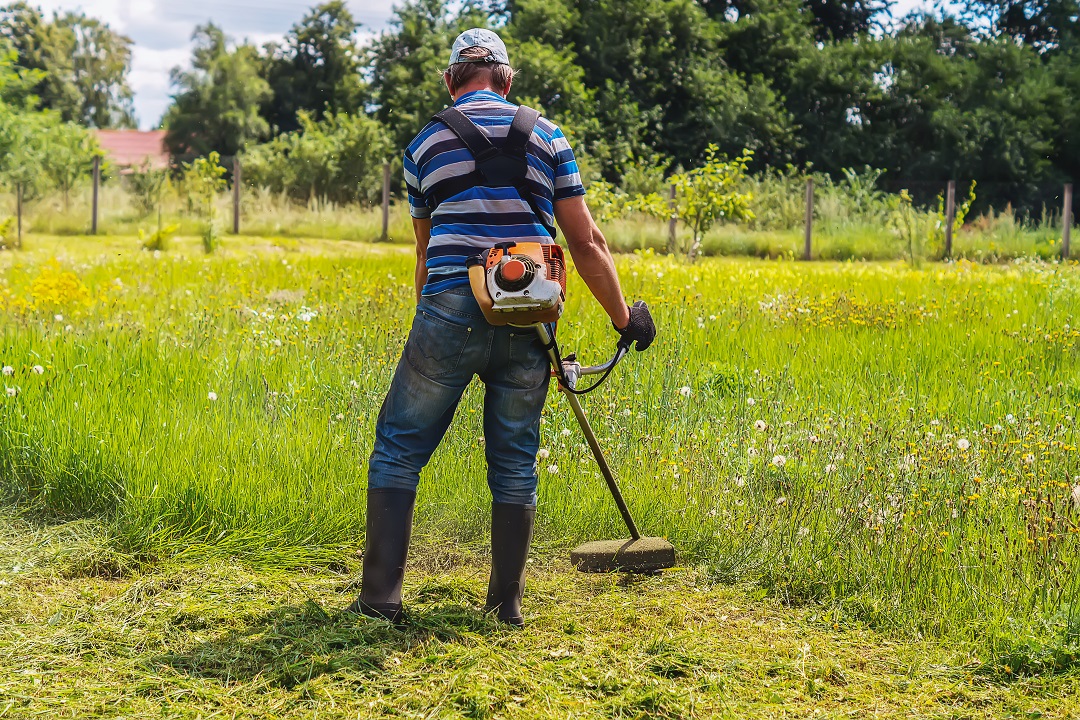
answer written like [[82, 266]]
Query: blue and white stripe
[[479, 218]]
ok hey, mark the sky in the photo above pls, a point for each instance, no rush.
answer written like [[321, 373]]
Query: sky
[[161, 32]]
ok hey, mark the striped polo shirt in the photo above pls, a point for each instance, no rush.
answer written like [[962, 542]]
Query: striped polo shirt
[[478, 218]]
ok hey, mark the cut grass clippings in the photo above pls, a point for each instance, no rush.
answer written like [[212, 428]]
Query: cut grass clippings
[[217, 639]]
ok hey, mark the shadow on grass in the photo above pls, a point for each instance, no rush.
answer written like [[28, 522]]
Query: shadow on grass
[[293, 644]]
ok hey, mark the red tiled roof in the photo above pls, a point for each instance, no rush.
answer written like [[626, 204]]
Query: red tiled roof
[[128, 148]]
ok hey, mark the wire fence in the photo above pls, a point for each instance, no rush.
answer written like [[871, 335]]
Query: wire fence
[[114, 202]]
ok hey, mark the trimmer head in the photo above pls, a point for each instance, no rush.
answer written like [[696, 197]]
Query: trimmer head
[[645, 555]]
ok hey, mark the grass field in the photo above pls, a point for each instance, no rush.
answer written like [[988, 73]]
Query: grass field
[[884, 457]]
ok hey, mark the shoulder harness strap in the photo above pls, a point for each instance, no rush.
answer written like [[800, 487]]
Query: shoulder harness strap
[[495, 167]]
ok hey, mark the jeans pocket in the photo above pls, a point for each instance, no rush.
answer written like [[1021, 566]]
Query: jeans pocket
[[528, 367], [435, 345]]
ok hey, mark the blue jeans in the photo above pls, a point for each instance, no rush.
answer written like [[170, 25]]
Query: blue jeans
[[449, 343]]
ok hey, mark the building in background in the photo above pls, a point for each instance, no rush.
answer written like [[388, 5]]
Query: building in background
[[131, 150]]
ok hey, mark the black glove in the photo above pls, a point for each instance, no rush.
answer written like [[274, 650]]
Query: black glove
[[640, 328]]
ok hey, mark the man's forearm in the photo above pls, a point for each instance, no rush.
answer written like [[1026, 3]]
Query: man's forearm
[[422, 231], [597, 268]]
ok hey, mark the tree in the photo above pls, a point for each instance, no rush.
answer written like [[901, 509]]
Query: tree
[[316, 70], [85, 64], [216, 103], [709, 193], [67, 153], [203, 181], [1040, 24]]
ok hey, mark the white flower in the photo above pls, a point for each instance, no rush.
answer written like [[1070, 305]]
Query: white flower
[[1029, 458], [8, 370], [543, 453], [963, 444], [306, 316], [58, 318], [12, 392], [760, 425], [779, 461], [553, 469], [830, 469], [565, 432], [37, 370], [751, 402], [211, 396], [1011, 419], [69, 328], [276, 342], [684, 391]]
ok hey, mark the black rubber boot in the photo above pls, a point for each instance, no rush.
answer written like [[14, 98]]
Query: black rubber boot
[[389, 528], [511, 533]]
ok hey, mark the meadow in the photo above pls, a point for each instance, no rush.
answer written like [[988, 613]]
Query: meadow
[[856, 447]]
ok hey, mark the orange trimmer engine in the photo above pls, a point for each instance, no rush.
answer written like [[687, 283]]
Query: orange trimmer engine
[[519, 283]]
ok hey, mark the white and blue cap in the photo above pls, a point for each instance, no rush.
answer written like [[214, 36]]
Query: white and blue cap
[[482, 38]]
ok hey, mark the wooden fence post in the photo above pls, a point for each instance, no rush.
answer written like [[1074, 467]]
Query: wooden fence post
[[809, 218], [97, 186], [672, 222], [1067, 218], [236, 195], [950, 216], [386, 201], [18, 212]]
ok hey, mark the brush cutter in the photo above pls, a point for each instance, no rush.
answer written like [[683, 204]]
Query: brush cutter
[[524, 284]]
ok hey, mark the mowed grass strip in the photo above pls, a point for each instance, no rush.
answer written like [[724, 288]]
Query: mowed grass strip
[[218, 639]]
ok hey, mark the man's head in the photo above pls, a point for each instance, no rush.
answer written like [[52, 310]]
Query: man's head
[[478, 61]]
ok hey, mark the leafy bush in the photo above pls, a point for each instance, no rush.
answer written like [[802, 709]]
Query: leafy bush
[[339, 158]]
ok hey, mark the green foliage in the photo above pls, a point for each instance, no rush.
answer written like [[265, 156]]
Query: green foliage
[[146, 186], [339, 158], [711, 193], [67, 154], [8, 238], [216, 105], [315, 70], [203, 181], [83, 64], [911, 227], [159, 240]]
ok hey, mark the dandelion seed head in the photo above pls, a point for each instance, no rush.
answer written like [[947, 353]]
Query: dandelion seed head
[[685, 391], [779, 461], [8, 370], [565, 432], [760, 425], [37, 370], [804, 531], [1076, 495], [553, 469], [543, 453], [830, 469], [211, 396], [751, 401], [58, 318], [963, 444]]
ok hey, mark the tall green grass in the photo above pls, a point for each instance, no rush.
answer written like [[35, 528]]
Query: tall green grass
[[899, 445]]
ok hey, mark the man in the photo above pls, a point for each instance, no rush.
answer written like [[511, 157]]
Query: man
[[450, 341]]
